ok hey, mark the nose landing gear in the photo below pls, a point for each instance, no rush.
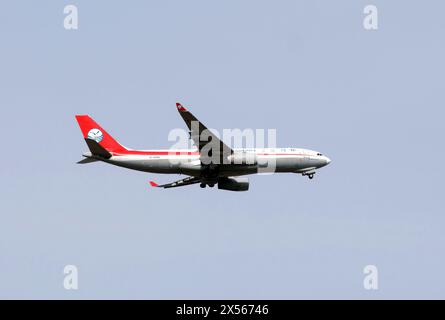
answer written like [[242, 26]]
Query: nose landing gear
[[309, 174]]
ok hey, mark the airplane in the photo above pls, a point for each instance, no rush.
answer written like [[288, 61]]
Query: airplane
[[219, 165]]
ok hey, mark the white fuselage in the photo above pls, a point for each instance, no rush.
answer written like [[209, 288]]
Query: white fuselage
[[188, 162]]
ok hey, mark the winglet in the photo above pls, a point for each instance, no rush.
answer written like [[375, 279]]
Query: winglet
[[180, 107], [153, 184]]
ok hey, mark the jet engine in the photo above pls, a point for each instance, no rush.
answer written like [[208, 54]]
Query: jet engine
[[233, 184]]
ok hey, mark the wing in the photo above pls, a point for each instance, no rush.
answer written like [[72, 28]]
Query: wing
[[211, 148], [179, 183]]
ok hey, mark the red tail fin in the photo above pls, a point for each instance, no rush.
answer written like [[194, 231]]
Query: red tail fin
[[91, 130]]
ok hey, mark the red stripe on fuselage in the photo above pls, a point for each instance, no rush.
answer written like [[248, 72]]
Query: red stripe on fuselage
[[282, 154], [156, 153], [189, 153]]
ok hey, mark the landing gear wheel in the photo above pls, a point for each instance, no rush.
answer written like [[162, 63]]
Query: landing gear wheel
[[211, 185], [310, 176], [202, 185]]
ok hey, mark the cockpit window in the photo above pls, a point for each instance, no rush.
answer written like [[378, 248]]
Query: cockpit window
[[319, 154]]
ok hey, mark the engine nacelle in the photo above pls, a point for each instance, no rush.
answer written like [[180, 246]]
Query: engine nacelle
[[233, 184], [243, 158]]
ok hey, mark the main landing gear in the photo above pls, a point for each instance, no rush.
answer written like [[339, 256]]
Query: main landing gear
[[209, 176], [203, 185]]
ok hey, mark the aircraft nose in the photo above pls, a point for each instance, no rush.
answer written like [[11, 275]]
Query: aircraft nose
[[328, 161]]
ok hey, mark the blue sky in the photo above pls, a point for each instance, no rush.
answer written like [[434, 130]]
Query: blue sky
[[371, 100]]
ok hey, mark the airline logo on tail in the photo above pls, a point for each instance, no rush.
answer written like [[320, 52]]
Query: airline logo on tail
[[96, 135]]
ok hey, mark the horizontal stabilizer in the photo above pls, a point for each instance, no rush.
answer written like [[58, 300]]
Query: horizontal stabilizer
[[96, 149], [87, 160]]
